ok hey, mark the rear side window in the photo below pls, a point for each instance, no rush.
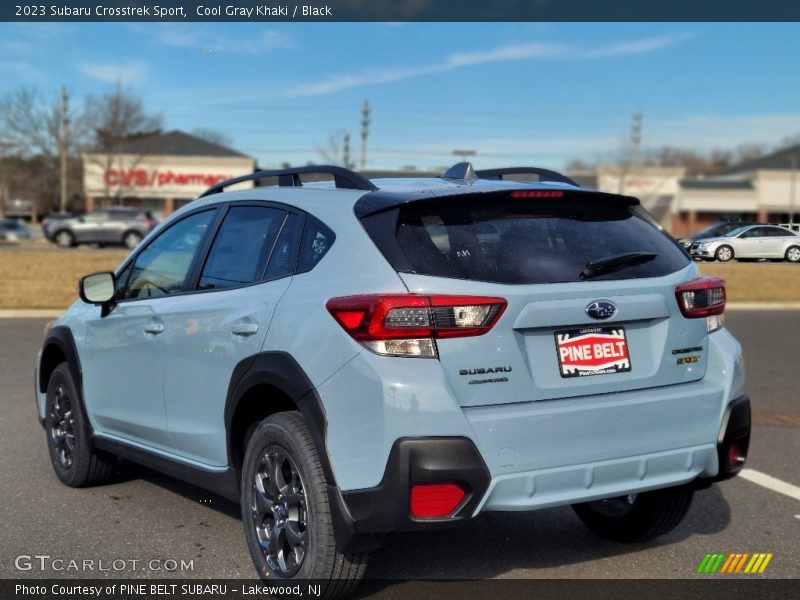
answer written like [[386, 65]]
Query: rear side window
[[281, 261], [778, 232], [94, 217], [317, 240], [526, 242], [242, 247]]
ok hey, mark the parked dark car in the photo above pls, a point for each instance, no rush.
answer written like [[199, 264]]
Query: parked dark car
[[124, 226], [12, 230], [716, 230]]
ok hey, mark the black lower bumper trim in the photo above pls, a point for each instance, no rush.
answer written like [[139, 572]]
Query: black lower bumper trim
[[734, 439], [385, 507]]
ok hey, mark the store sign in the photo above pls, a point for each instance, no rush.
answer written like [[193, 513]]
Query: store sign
[[155, 178], [160, 176]]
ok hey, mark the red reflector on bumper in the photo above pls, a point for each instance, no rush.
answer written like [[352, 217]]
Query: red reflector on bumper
[[435, 500]]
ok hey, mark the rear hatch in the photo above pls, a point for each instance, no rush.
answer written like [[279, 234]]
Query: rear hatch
[[589, 282]]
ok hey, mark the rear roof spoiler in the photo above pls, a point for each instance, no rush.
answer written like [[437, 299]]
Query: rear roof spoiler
[[383, 200]]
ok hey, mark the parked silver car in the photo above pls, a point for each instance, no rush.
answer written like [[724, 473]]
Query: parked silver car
[[124, 226], [750, 242]]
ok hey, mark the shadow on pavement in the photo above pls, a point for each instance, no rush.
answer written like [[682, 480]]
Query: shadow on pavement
[[490, 545], [496, 543]]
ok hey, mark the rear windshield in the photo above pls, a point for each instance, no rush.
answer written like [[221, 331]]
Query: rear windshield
[[525, 242]]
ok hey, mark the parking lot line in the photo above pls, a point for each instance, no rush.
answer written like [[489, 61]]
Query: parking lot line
[[771, 483]]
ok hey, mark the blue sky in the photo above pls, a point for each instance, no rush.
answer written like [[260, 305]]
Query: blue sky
[[516, 93]]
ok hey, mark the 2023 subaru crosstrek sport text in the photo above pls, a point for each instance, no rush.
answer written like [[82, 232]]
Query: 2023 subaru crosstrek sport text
[[354, 358]]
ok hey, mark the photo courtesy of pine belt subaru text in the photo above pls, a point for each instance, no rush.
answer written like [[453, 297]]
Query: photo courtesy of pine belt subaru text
[[350, 358]]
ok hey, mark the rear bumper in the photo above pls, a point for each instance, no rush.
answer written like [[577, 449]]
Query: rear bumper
[[535, 454], [700, 465], [595, 481], [385, 508]]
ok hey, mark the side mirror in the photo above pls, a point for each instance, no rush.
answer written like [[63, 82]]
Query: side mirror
[[97, 288]]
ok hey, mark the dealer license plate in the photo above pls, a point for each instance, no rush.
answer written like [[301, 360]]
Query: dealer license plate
[[592, 351]]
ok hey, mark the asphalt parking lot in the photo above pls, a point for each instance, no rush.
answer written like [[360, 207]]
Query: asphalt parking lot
[[145, 516]]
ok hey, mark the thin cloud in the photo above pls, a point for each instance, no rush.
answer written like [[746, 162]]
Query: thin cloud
[[507, 53], [706, 132], [132, 72], [701, 133], [191, 36], [22, 71], [642, 46]]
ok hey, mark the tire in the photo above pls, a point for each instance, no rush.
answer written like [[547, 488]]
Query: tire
[[724, 253], [131, 239], [637, 518], [64, 239], [69, 442], [302, 509], [792, 254]]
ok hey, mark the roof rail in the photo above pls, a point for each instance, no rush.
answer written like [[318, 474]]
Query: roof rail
[[343, 178], [544, 174]]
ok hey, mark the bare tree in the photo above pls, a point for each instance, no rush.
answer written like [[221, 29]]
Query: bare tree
[[47, 135], [213, 136], [748, 152], [695, 163], [789, 141], [332, 152], [115, 119]]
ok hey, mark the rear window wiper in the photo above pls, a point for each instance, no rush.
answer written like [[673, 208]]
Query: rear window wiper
[[618, 261]]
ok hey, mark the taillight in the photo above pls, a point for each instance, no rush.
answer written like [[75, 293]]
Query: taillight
[[703, 297], [435, 500], [407, 324]]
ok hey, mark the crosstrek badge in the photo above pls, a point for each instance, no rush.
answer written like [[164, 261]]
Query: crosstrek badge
[[592, 351]]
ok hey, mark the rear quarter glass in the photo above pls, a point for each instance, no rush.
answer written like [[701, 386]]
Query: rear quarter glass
[[521, 241]]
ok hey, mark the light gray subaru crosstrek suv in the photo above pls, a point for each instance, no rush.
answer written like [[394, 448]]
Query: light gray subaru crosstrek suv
[[354, 358]]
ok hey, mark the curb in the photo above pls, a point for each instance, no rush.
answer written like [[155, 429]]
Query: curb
[[762, 306], [31, 313]]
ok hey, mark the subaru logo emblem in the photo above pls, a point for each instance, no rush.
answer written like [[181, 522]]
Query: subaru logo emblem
[[601, 309]]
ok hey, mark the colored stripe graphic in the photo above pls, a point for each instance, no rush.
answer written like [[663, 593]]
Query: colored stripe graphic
[[718, 562], [703, 563], [735, 562], [740, 564], [754, 563], [728, 563], [764, 564]]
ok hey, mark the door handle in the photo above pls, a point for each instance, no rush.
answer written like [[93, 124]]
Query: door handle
[[244, 329], [154, 327]]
